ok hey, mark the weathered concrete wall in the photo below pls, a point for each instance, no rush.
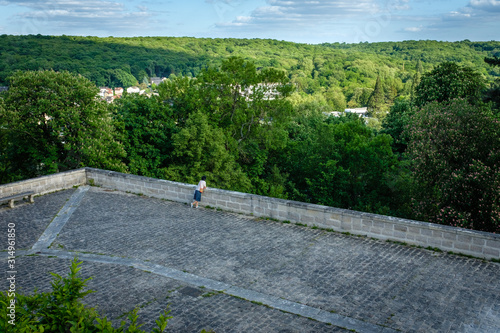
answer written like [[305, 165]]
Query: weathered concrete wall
[[46, 184], [475, 243]]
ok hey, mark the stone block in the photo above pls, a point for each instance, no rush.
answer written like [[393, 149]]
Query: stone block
[[335, 216], [462, 246], [246, 208], [448, 244], [414, 230], [492, 253], [387, 232], [346, 225], [476, 249], [375, 231], [293, 217], [400, 235], [380, 224], [307, 219], [464, 238], [315, 213], [493, 244], [426, 232], [236, 199], [355, 219], [336, 224], [437, 234], [422, 240], [280, 214], [365, 223], [478, 241], [401, 228], [258, 210], [450, 236], [319, 218]]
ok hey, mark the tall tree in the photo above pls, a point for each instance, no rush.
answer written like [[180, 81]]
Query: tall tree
[[395, 124], [414, 84], [377, 98], [248, 103], [54, 122], [455, 152], [147, 126], [449, 81], [338, 162], [200, 149], [492, 95], [495, 61]]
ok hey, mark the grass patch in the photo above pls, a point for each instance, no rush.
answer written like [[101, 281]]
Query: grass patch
[[465, 255], [396, 242], [435, 249], [211, 293]]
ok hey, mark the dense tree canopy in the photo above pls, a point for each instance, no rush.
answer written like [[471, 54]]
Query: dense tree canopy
[[53, 122], [147, 127], [261, 121], [449, 81], [338, 162], [455, 151], [343, 73]]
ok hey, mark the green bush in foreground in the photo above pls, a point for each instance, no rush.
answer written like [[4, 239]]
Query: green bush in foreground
[[62, 311]]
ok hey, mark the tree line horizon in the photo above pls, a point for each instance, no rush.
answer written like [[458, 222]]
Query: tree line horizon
[[430, 152]]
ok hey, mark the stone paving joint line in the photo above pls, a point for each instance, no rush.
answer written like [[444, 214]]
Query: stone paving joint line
[[50, 234], [231, 290]]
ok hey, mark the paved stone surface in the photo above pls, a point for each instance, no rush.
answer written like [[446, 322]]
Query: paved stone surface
[[34, 218], [156, 253]]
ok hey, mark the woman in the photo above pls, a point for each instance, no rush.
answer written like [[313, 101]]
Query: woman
[[202, 186]]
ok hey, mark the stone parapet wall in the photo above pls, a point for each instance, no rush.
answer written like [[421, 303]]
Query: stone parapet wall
[[46, 184], [445, 238]]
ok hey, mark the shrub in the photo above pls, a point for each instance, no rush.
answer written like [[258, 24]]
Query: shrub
[[61, 310]]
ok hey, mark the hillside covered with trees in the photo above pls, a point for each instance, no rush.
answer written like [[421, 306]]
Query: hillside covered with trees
[[340, 75], [251, 115]]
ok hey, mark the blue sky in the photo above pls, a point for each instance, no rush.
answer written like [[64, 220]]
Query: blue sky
[[304, 21]]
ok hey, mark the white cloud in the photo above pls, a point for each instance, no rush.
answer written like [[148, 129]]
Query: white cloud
[[300, 15], [464, 22], [414, 29], [94, 15], [486, 5]]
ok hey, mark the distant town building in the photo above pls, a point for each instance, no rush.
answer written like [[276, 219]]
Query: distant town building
[[333, 113], [133, 90], [105, 92], [157, 80], [269, 90], [119, 91], [362, 112]]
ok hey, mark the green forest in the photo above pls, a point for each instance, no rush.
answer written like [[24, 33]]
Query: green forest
[[253, 116]]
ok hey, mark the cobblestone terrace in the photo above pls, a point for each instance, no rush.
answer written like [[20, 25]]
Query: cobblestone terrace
[[235, 273]]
